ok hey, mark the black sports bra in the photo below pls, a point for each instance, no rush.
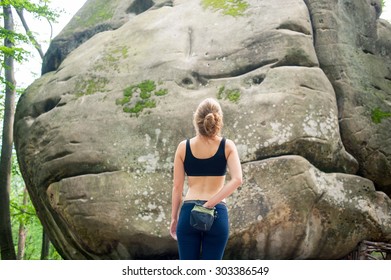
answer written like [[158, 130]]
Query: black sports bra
[[213, 166]]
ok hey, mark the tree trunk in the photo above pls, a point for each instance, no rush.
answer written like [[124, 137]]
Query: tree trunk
[[6, 242], [22, 230], [45, 246], [21, 241]]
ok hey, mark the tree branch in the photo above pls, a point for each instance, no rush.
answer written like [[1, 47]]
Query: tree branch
[[29, 33]]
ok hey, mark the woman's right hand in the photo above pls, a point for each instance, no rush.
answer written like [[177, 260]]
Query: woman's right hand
[[173, 229]]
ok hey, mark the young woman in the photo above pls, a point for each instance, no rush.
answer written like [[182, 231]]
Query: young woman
[[204, 159]]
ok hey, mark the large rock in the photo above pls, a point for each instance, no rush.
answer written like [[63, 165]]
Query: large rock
[[106, 217], [287, 209], [350, 33], [94, 17], [95, 139]]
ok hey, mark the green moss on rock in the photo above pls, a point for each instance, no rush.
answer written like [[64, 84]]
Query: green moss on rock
[[232, 95], [91, 85], [92, 14], [138, 97], [233, 8], [161, 92], [378, 115], [111, 59], [140, 106]]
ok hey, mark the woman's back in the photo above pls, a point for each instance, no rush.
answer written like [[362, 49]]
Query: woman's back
[[204, 148], [205, 164]]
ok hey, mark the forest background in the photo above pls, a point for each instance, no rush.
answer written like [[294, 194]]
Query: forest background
[[28, 236]]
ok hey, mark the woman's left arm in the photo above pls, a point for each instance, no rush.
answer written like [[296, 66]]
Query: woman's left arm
[[177, 190]]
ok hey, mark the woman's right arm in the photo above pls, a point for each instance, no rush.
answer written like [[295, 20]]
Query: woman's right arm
[[235, 170], [177, 190]]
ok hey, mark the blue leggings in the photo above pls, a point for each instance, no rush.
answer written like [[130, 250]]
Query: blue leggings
[[198, 245]]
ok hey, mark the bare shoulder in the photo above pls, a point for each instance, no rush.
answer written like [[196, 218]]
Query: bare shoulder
[[181, 149], [229, 146], [181, 146], [182, 143], [229, 143]]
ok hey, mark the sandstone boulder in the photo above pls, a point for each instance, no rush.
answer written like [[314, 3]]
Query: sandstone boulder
[[96, 138], [94, 17], [287, 209], [351, 34]]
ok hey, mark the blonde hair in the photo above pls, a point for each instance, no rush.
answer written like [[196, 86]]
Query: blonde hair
[[208, 118]]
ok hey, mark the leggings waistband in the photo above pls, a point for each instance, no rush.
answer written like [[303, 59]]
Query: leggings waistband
[[202, 202]]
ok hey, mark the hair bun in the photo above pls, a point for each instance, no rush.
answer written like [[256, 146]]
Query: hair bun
[[208, 119], [211, 124]]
